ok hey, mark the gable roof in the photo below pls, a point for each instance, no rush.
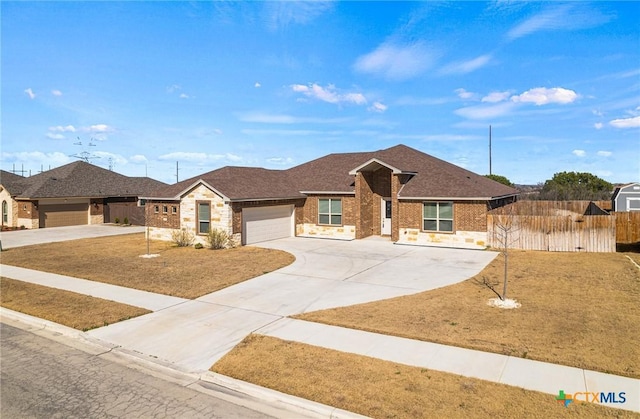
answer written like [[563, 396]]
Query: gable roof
[[435, 178], [8, 179], [81, 179], [426, 177], [236, 183]]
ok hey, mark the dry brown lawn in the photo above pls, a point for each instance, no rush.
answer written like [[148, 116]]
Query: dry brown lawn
[[179, 271], [578, 309], [383, 389], [79, 311]]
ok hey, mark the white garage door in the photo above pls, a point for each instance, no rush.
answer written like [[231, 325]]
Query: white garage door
[[266, 223]]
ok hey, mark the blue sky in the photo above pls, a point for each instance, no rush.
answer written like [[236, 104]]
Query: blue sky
[[275, 84]]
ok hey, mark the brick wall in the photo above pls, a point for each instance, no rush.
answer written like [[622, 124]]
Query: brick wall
[[470, 216], [467, 215], [364, 215], [161, 219]]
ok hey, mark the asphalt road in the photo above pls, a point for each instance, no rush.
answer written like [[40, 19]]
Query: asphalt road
[[42, 378]]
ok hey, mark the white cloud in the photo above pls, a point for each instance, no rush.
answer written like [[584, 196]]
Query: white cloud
[[56, 92], [543, 96], [464, 67], [328, 94], [30, 93], [282, 14], [173, 88], [280, 160], [184, 96], [55, 136], [562, 17], [138, 158], [463, 94], [397, 62], [257, 85], [596, 112], [60, 128], [267, 118], [495, 97], [37, 157], [180, 155], [633, 122], [99, 128], [598, 125], [486, 111], [579, 153], [604, 153], [378, 107], [199, 157]]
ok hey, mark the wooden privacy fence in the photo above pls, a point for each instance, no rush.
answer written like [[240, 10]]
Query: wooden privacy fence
[[557, 226], [578, 233], [627, 227]]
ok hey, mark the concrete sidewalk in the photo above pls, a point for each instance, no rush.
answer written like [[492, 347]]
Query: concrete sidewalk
[[19, 238], [143, 299], [528, 374]]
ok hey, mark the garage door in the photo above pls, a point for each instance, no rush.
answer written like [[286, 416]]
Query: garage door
[[266, 223], [64, 215]]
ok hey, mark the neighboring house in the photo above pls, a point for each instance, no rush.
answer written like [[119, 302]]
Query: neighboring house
[[400, 193], [626, 198], [9, 206], [73, 194]]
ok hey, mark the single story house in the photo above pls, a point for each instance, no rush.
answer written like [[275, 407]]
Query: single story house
[[74, 194], [626, 198], [399, 192]]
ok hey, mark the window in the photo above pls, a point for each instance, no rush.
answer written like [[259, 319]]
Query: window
[[330, 211], [437, 216], [5, 212], [156, 209], [204, 217], [165, 209], [174, 209]]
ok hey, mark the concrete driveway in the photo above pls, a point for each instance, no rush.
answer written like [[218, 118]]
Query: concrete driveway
[[20, 238], [194, 334]]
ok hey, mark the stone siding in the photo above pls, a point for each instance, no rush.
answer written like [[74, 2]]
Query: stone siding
[[96, 211], [163, 225]]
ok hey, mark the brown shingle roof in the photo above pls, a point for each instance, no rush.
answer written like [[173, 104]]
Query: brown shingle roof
[[81, 179], [237, 183], [437, 178], [431, 178]]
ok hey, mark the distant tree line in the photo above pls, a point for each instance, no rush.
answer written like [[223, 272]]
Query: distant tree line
[[567, 186]]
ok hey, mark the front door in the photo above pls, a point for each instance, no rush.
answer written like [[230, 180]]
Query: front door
[[385, 225]]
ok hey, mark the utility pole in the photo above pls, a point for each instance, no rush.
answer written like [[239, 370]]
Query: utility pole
[[177, 170], [490, 172]]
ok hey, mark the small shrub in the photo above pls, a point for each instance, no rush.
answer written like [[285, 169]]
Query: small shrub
[[126, 220], [198, 246], [217, 239], [117, 220], [182, 237]]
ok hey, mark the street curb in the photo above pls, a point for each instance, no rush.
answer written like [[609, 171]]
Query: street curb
[[280, 403]]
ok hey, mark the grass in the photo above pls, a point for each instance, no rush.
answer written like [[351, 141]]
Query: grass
[[383, 389], [578, 309], [179, 271], [78, 311]]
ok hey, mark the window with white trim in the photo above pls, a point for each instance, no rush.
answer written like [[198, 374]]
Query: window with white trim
[[5, 212], [330, 211], [437, 216], [204, 217]]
